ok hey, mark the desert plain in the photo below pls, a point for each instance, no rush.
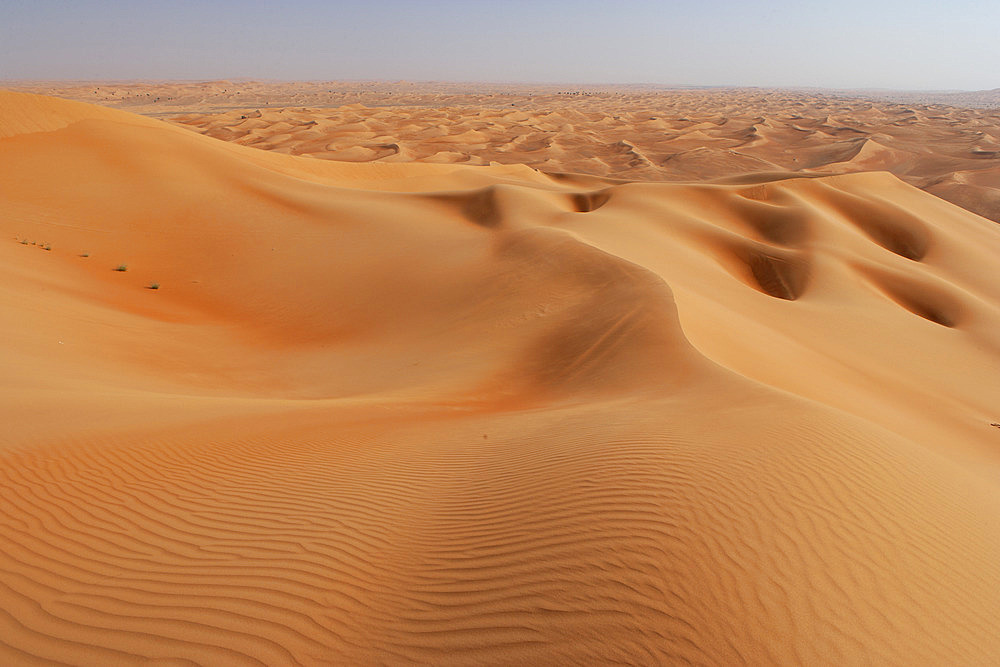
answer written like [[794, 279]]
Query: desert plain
[[402, 373]]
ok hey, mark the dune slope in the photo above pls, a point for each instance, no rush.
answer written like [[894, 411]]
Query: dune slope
[[392, 413]]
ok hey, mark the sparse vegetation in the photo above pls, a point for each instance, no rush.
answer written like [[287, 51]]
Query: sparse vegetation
[[154, 286], [24, 241], [84, 254], [121, 267], [48, 247]]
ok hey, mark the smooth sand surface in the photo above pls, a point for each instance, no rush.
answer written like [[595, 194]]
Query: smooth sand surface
[[384, 413]]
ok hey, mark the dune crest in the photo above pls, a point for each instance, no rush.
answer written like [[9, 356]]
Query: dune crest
[[405, 412]]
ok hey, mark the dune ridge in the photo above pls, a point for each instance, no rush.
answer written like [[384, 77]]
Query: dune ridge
[[406, 412]]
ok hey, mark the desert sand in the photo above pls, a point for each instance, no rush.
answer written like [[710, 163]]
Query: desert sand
[[623, 132], [383, 412]]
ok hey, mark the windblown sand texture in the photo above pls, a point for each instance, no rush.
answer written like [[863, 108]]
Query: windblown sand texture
[[391, 413]]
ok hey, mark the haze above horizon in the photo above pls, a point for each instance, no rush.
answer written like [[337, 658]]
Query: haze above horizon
[[894, 44]]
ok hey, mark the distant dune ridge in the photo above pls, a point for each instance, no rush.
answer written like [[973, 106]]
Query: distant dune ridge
[[388, 412]]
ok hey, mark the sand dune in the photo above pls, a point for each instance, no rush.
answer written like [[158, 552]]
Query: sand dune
[[385, 413], [625, 132], [951, 153]]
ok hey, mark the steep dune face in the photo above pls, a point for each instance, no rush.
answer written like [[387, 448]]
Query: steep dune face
[[426, 412]]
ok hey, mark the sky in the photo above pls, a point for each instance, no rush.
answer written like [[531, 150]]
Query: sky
[[898, 44]]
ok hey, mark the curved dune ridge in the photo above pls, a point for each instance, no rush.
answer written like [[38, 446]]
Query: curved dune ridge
[[393, 413]]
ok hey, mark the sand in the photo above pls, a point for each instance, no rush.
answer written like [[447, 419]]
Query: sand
[[623, 132], [952, 153], [381, 412]]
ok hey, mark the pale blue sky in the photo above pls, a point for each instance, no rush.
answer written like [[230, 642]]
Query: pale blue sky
[[915, 44]]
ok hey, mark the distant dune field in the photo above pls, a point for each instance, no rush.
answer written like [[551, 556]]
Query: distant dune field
[[386, 412], [622, 132], [952, 153]]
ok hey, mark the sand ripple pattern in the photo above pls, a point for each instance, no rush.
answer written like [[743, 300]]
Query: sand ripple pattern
[[568, 542]]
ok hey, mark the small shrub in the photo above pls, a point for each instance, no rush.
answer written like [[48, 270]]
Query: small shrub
[[121, 267], [24, 241], [154, 286], [85, 254], [48, 247]]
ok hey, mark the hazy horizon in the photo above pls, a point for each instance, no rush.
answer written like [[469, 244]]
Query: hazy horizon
[[487, 82], [852, 45]]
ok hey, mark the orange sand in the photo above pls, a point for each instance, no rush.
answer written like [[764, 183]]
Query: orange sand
[[384, 413], [952, 153], [624, 132]]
